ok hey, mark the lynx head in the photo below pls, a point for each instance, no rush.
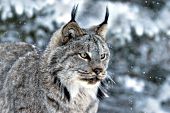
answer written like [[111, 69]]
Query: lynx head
[[79, 56]]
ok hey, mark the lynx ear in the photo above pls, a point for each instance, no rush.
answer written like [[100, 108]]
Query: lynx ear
[[71, 29], [101, 29]]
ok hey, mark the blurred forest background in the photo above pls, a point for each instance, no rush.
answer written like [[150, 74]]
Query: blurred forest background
[[138, 38]]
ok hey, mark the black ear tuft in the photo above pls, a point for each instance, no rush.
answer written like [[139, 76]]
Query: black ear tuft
[[106, 17], [101, 29], [73, 13]]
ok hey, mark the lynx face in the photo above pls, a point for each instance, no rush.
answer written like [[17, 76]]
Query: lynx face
[[93, 58], [84, 60], [80, 56]]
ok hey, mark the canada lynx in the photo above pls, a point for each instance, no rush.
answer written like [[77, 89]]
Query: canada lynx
[[65, 78]]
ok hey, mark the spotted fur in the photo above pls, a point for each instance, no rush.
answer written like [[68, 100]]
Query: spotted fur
[[66, 78]]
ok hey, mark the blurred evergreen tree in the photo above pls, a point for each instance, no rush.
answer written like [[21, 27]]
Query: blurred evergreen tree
[[155, 5], [27, 20]]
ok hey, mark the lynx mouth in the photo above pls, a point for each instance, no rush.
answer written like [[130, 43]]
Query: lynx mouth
[[93, 80], [89, 78]]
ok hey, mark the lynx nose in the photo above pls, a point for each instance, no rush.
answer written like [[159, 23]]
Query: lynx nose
[[97, 70]]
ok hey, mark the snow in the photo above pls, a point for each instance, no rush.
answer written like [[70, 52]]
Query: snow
[[151, 105], [139, 29], [164, 93], [51, 2], [19, 9], [132, 83]]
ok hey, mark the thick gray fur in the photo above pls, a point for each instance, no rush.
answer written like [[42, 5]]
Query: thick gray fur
[[50, 82]]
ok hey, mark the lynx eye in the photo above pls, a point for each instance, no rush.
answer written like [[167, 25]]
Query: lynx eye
[[84, 55], [103, 56]]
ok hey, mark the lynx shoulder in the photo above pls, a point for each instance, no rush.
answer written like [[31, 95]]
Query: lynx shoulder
[[65, 78], [9, 53]]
